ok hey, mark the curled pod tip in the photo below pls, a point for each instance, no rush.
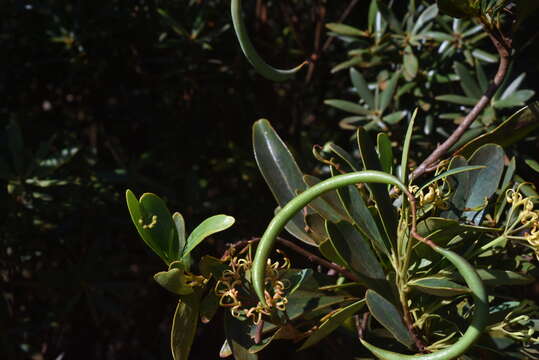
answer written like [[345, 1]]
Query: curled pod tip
[[250, 52]]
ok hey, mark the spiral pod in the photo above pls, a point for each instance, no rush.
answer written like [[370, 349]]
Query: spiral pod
[[463, 267], [250, 52]]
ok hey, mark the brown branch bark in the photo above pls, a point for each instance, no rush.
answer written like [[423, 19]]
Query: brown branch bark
[[503, 45]]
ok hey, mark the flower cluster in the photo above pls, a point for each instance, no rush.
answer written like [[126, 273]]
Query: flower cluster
[[235, 291], [434, 196], [523, 219]]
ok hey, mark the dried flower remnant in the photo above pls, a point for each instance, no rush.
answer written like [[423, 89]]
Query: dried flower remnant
[[235, 291]]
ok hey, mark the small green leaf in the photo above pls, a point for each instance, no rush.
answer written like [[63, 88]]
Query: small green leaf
[[467, 82], [457, 99], [332, 323], [362, 88], [174, 281], [206, 228], [406, 148], [385, 152], [346, 30], [387, 314], [184, 326], [389, 91], [438, 286], [343, 154], [533, 164], [347, 106], [395, 117], [209, 306], [177, 218], [517, 98], [410, 64]]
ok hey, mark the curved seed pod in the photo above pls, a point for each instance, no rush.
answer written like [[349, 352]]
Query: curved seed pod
[[474, 330], [299, 202], [248, 49]]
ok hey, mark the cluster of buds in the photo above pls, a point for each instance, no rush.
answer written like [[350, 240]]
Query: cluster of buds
[[434, 196], [235, 292], [523, 219]]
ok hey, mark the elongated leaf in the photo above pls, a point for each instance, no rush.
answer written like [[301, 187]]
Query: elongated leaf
[[347, 106], [457, 99], [518, 98], [208, 307], [328, 205], [515, 84], [343, 154], [447, 173], [385, 152], [438, 286], [467, 82], [387, 314], [206, 228], [184, 326], [493, 278], [280, 171], [355, 250], [332, 323], [179, 222], [154, 224], [174, 281], [427, 15], [406, 148], [362, 216], [346, 30], [410, 64], [533, 164], [389, 91], [379, 191], [240, 335], [514, 129], [362, 88]]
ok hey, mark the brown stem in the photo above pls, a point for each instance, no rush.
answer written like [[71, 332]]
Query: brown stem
[[503, 46]]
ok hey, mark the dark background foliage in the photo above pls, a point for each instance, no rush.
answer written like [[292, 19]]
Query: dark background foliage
[[156, 101]]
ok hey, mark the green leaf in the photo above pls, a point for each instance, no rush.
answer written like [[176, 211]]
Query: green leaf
[[154, 224], [328, 205], [174, 281], [209, 307], [362, 88], [179, 222], [347, 106], [206, 228], [332, 323], [389, 91], [395, 117], [457, 99], [410, 64], [346, 30], [357, 209], [533, 164], [517, 98], [343, 154], [379, 191], [515, 84], [280, 172], [387, 314], [212, 266], [512, 130], [184, 326], [459, 8], [240, 335], [438, 286], [427, 15], [355, 250], [485, 56], [467, 82], [406, 148], [385, 152], [494, 278], [447, 173]]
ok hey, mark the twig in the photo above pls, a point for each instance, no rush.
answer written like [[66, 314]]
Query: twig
[[503, 45]]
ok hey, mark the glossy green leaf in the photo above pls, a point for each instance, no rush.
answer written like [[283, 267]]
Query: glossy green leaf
[[447, 173], [389, 316], [385, 152], [362, 216], [328, 250], [303, 302], [515, 84], [240, 337], [394, 118], [518, 98], [379, 191], [206, 228], [512, 130], [355, 250], [332, 323], [184, 326], [343, 154], [493, 278], [280, 171], [533, 164], [179, 222], [406, 148], [347, 106], [174, 281], [328, 205], [362, 88], [438, 286], [467, 82], [154, 224]]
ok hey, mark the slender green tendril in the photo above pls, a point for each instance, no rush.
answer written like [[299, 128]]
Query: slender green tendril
[[250, 52], [464, 268]]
